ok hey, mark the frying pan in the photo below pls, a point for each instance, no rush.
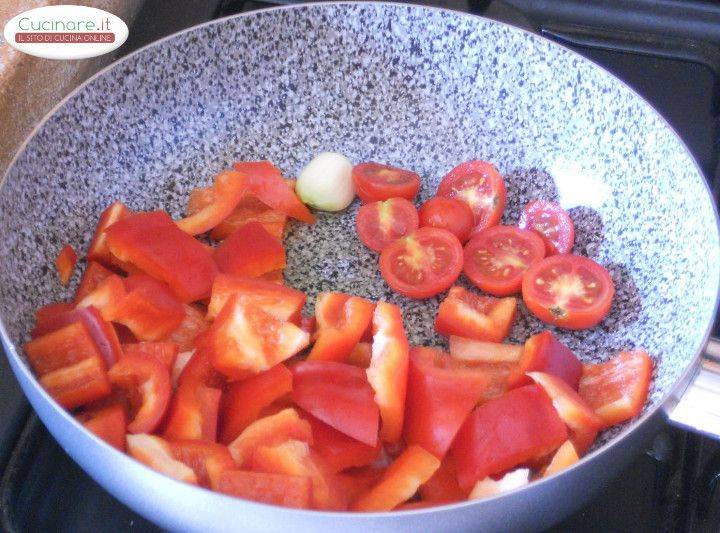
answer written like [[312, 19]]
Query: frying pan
[[416, 87]]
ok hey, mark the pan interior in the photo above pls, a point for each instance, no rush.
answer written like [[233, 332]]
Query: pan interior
[[414, 87]]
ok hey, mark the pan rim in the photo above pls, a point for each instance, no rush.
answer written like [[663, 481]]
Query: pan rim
[[673, 393]]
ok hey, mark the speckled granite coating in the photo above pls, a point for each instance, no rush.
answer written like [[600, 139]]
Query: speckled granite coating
[[416, 88]]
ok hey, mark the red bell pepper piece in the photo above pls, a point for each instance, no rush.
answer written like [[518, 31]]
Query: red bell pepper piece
[[77, 384], [269, 431], [276, 489], [544, 353], [308, 324], [294, 457], [65, 263], [207, 459], [473, 316], [65, 346], [400, 481], [265, 182], [149, 309], [340, 330], [276, 276], [617, 390], [443, 486], [246, 340], [109, 423], [361, 355], [579, 417], [387, 373], [519, 426], [193, 413], [98, 250], [47, 315], [564, 457], [199, 199], [192, 325], [357, 481], [156, 453], [154, 244], [339, 395], [338, 450], [228, 189], [273, 221], [106, 297], [199, 369], [441, 393], [284, 303], [250, 251], [471, 350], [91, 278], [146, 384], [243, 401], [165, 352]]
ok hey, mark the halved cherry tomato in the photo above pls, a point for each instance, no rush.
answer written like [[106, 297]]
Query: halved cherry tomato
[[77, 384], [229, 188], [388, 369], [339, 334], [91, 278], [266, 183], [269, 431], [497, 258], [153, 243], [617, 390], [250, 251], [481, 187], [519, 426], [98, 249], [544, 353], [338, 450], [568, 291], [146, 383], [243, 401], [165, 352], [246, 340], [294, 457], [339, 395], [400, 481], [65, 263], [155, 452], [474, 316], [383, 222], [375, 181], [207, 459], [450, 214], [284, 303], [423, 264], [579, 417], [275, 489], [441, 393], [552, 223], [109, 423], [443, 487], [189, 329]]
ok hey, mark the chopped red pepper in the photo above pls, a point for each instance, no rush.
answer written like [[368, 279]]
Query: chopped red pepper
[[284, 303], [243, 401], [276, 489], [338, 450], [441, 393], [109, 423], [156, 453], [91, 278], [544, 353], [443, 486], [189, 329], [153, 243], [473, 316], [146, 383], [65, 263], [228, 189], [340, 326], [519, 426], [250, 251], [106, 297], [98, 250], [165, 352], [339, 395], [47, 315], [193, 413], [265, 182], [77, 384], [207, 459], [62, 347]]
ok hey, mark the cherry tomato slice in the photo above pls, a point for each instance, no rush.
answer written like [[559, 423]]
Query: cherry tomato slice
[[423, 264], [568, 291], [497, 258], [480, 186], [450, 214], [375, 181], [552, 223], [381, 223]]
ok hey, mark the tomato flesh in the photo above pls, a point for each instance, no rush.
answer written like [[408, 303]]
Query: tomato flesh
[[497, 258], [448, 213], [423, 264], [383, 222], [375, 181], [568, 291], [552, 223], [481, 187]]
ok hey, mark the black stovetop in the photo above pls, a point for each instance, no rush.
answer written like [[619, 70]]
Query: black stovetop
[[669, 51]]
